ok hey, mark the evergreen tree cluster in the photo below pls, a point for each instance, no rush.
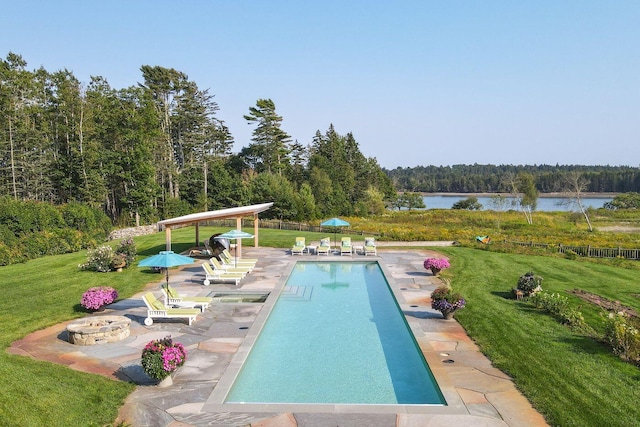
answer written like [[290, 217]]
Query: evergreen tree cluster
[[158, 149], [493, 178]]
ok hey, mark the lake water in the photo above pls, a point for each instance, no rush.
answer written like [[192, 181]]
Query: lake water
[[545, 204]]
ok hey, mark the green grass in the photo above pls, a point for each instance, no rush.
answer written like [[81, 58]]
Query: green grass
[[46, 291], [572, 379]]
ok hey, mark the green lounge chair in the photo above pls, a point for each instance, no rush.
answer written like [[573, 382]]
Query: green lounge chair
[[229, 261], [218, 276], [325, 246], [171, 298], [345, 246], [229, 269], [370, 246], [299, 247], [157, 310], [227, 254]]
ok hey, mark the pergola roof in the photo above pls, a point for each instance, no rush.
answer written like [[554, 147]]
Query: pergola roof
[[238, 212]]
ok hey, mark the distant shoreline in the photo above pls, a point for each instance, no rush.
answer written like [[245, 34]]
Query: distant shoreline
[[585, 195]]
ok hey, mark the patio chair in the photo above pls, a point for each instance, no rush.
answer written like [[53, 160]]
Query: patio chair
[[229, 269], [299, 247], [325, 246], [247, 260], [218, 276], [157, 310], [171, 297], [370, 246], [228, 260], [345, 246]]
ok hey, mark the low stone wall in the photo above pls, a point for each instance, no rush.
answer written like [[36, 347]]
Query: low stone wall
[[98, 330], [125, 233]]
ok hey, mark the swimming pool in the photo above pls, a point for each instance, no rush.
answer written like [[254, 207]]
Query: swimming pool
[[336, 335]]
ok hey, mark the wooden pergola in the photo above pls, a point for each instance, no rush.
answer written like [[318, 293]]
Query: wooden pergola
[[196, 218]]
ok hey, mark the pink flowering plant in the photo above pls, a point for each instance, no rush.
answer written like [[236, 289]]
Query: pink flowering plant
[[436, 263], [445, 300], [94, 298], [162, 357]]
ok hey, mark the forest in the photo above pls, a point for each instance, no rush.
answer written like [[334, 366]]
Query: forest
[[157, 149], [493, 179]]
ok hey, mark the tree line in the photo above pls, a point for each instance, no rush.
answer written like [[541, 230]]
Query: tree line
[[158, 149], [491, 178]]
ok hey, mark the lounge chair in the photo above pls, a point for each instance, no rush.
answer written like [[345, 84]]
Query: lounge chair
[[228, 260], [370, 246], [218, 276], [157, 310], [299, 247], [325, 246], [247, 260], [229, 269], [171, 297], [345, 246]]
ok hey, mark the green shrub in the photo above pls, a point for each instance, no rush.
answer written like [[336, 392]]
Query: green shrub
[[529, 283], [558, 306], [623, 337]]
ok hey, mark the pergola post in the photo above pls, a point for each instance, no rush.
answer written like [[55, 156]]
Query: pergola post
[[167, 234], [255, 230], [239, 241]]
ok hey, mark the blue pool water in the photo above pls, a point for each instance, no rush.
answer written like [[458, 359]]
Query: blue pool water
[[336, 335]]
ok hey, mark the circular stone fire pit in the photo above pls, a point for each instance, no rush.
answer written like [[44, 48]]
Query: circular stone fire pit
[[98, 330]]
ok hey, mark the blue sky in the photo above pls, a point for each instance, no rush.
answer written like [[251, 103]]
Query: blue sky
[[416, 82]]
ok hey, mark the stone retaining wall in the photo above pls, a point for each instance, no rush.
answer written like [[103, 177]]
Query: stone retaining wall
[[125, 233]]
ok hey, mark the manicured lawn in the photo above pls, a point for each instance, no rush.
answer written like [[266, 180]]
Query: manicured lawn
[[571, 378], [47, 291]]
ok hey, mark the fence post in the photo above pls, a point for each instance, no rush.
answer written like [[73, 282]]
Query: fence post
[[588, 250]]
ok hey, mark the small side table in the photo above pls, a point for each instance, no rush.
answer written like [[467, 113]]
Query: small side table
[[358, 249], [311, 249]]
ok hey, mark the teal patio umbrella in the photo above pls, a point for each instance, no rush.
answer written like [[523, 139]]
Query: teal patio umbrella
[[335, 222], [234, 235], [166, 259]]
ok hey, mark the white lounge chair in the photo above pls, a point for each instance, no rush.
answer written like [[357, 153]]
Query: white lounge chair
[[370, 246], [345, 246], [157, 310], [228, 268], [325, 246], [172, 298], [228, 255], [228, 260], [218, 276], [299, 247]]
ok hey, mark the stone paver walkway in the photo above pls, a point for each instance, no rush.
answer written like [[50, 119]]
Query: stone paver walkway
[[477, 394]]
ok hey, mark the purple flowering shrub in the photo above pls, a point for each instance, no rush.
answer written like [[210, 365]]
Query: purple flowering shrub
[[437, 263], [94, 298], [445, 300], [162, 357]]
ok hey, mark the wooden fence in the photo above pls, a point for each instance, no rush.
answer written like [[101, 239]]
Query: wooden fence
[[587, 251]]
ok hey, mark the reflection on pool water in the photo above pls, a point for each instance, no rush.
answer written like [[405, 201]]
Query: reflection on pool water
[[336, 335]]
